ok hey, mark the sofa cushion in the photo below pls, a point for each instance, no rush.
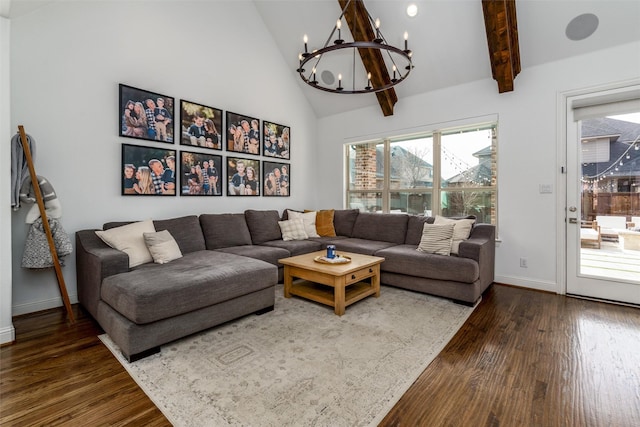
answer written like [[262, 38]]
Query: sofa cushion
[[461, 230], [343, 221], [159, 291], [264, 253], [328, 240], [225, 230], [293, 229], [383, 227], [186, 230], [285, 214], [415, 226], [405, 259], [163, 246], [309, 220], [263, 225], [436, 239], [360, 246], [324, 223], [114, 224], [295, 247], [130, 240]]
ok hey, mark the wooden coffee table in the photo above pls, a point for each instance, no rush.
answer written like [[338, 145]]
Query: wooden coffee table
[[336, 285]]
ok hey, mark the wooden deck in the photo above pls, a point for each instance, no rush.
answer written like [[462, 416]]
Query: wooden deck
[[610, 262]]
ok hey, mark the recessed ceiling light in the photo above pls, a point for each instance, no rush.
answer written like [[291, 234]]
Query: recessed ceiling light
[[412, 10], [582, 26]]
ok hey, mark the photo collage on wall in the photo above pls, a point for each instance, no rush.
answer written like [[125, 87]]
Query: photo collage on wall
[[206, 133]]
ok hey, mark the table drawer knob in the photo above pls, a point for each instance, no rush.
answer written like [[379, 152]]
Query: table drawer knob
[[353, 276], [371, 270]]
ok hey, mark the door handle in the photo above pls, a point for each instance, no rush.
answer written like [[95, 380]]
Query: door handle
[[573, 220]]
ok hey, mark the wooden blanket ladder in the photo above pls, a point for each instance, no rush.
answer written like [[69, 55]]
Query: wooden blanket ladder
[[45, 223]]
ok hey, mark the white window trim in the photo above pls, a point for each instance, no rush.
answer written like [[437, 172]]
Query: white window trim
[[435, 131]]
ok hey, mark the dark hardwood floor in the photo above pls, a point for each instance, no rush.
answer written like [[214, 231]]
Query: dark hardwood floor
[[524, 358]]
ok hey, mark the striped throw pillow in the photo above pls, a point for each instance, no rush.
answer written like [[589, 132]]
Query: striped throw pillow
[[293, 229], [436, 239]]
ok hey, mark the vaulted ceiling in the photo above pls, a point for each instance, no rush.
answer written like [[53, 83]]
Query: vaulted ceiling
[[453, 41], [449, 39], [501, 25]]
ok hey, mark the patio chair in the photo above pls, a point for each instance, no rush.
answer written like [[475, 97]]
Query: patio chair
[[610, 226], [590, 234]]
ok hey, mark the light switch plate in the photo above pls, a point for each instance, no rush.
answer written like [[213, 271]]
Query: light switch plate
[[546, 188]]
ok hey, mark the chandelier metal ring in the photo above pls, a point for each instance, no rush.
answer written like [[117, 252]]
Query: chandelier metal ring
[[354, 45]]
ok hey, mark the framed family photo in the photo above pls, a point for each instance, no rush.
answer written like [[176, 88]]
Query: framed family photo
[[276, 179], [243, 134], [148, 171], [276, 140], [200, 125], [200, 174], [243, 177], [145, 115]]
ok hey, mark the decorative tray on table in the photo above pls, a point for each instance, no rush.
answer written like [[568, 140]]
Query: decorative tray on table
[[339, 259]]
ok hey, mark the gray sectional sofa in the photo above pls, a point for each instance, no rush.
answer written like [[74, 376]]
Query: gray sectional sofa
[[229, 269]]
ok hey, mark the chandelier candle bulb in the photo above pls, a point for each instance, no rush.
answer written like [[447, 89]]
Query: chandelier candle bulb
[[339, 81], [406, 39], [305, 39], [339, 26]]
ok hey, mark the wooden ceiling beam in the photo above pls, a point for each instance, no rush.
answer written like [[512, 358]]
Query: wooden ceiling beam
[[502, 37], [357, 19]]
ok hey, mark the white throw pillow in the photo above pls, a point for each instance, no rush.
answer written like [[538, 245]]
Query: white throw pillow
[[436, 239], [309, 219], [461, 230], [163, 246], [130, 240], [293, 229]]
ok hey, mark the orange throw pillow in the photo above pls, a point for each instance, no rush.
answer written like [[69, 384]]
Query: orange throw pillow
[[324, 223]]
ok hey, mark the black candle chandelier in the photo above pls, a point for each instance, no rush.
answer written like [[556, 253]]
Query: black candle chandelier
[[397, 61]]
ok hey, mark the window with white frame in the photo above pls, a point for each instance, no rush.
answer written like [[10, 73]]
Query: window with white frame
[[450, 172]]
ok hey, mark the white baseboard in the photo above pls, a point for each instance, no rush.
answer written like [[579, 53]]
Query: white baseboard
[[7, 334], [528, 283], [32, 307]]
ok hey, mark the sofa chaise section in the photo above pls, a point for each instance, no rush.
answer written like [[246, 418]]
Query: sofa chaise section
[[149, 305]]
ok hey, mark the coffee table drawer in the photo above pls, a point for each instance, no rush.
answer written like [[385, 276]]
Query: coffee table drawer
[[357, 276]]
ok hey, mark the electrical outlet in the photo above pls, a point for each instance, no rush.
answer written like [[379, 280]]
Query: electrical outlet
[[523, 263]]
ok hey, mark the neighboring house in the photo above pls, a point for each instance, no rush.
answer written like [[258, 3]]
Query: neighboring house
[[478, 175], [610, 168]]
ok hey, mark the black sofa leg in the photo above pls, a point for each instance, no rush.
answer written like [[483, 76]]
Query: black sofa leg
[[264, 310], [142, 354], [465, 303]]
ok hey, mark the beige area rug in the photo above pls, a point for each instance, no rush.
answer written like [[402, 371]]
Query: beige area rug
[[300, 365]]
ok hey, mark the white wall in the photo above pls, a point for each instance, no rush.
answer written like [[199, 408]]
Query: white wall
[[527, 144], [67, 59], [7, 332]]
